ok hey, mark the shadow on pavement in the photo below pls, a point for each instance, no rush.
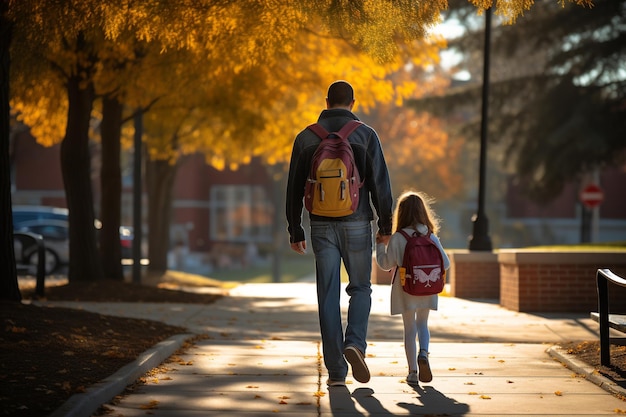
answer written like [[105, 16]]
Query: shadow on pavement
[[430, 402], [433, 401]]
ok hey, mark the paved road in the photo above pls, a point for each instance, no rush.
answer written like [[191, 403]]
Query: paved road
[[262, 357]]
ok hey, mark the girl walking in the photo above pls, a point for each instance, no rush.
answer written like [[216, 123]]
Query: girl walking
[[412, 214]]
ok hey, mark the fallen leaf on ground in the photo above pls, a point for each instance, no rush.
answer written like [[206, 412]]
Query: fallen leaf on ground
[[150, 406], [17, 329]]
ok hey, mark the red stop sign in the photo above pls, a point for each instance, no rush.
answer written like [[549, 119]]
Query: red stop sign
[[591, 196]]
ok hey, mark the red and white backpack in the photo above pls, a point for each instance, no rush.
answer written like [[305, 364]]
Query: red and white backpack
[[422, 271]]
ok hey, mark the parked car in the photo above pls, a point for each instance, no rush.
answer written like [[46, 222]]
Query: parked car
[[56, 239], [23, 214], [26, 213]]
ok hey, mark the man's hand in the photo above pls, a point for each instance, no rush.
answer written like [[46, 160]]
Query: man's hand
[[299, 247], [382, 238]]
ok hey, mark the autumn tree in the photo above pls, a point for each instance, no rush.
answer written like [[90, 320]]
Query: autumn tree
[[63, 59], [206, 107], [8, 287], [124, 64]]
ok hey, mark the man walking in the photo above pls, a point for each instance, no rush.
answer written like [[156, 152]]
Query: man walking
[[347, 238]]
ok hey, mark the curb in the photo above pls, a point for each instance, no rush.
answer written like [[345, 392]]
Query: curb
[[85, 404], [588, 372]]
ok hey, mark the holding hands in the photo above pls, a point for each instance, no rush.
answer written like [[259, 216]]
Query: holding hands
[[382, 238]]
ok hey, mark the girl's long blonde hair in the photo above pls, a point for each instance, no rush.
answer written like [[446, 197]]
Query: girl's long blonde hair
[[414, 207]]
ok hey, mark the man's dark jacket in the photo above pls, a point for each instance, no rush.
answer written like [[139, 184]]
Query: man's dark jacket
[[370, 162]]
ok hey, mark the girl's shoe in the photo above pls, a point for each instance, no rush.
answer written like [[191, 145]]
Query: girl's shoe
[[425, 374], [411, 378]]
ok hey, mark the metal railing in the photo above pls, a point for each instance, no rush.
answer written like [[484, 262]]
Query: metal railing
[[27, 241], [603, 278]]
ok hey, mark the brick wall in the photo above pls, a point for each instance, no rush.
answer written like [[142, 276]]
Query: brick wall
[[474, 274], [380, 276], [532, 281]]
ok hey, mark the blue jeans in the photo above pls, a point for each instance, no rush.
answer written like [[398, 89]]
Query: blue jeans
[[333, 241]]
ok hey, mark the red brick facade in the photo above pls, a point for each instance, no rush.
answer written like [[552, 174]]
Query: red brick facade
[[556, 281], [534, 281], [37, 173], [474, 274]]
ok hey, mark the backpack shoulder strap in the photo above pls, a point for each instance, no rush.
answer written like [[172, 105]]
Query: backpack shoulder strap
[[319, 130], [405, 234], [348, 128], [429, 235], [343, 133]]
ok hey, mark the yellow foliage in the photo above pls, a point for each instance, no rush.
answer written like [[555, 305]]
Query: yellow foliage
[[42, 107], [229, 79], [331, 59]]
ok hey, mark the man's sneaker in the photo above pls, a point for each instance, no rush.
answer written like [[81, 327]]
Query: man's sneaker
[[356, 360], [411, 378], [336, 382], [424, 367]]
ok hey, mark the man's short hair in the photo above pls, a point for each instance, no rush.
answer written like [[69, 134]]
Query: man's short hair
[[340, 93]]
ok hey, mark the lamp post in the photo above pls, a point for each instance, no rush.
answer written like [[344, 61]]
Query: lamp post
[[137, 192], [480, 240]]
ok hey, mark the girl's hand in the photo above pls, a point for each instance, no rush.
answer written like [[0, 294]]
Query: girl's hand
[[382, 238]]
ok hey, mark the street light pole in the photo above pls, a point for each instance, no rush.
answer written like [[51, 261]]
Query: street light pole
[[480, 240], [137, 192]]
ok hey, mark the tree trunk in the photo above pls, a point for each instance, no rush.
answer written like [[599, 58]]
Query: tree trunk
[[160, 177], [279, 236], [85, 263], [111, 185], [9, 289]]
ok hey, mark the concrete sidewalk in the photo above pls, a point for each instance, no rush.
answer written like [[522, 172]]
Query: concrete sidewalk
[[263, 356]]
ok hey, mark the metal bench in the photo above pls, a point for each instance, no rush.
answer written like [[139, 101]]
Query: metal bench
[[604, 277], [28, 240]]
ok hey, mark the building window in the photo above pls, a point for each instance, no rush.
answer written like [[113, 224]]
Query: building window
[[240, 213]]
